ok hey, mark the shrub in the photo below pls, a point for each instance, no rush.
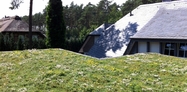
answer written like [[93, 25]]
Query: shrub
[[20, 43], [73, 44], [35, 42], [1, 42], [8, 43]]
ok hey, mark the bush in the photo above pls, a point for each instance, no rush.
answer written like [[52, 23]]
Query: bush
[[35, 42], [1, 42], [41, 44], [8, 43], [73, 44], [20, 43]]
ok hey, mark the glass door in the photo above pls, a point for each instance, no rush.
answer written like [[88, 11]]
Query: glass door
[[182, 50], [169, 49]]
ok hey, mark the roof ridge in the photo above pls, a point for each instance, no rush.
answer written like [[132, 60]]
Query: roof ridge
[[161, 3]]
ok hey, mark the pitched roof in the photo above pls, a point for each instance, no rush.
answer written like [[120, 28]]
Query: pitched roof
[[4, 24], [170, 22], [97, 32], [101, 29], [13, 25], [115, 39]]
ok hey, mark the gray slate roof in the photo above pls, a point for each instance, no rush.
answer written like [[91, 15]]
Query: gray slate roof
[[149, 20], [168, 23], [101, 29]]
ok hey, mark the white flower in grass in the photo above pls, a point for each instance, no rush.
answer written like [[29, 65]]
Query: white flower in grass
[[156, 76], [133, 74], [22, 90], [58, 66], [76, 81], [183, 70], [114, 82], [60, 80], [81, 73], [149, 89], [163, 70], [48, 79], [91, 85], [13, 90], [84, 85], [126, 81]]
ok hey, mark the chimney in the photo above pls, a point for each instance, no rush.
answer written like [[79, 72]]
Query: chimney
[[17, 18], [131, 13], [166, 0]]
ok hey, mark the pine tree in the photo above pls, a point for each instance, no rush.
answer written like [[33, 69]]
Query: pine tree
[[55, 25]]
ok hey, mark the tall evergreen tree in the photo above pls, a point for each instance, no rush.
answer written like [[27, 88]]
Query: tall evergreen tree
[[55, 24]]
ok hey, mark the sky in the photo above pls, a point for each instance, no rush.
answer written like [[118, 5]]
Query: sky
[[39, 5]]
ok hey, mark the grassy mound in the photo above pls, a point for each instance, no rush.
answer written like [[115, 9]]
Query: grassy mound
[[58, 70]]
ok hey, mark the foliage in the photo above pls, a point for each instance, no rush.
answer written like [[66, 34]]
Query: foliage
[[38, 21], [55, 25], [15, 4], [57, 70], [9, 43], [1, 42], [20, 43], [73, 44], [83, 33]]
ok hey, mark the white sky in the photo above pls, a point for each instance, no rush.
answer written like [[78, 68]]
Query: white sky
[[38, 6]]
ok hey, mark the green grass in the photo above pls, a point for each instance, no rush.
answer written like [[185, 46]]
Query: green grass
[[55, 70]]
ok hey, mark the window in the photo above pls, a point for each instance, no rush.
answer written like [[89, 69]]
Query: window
[[96, 38], [183, 50], [169, 49]]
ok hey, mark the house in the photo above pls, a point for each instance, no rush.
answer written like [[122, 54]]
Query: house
[[16, 26], [159, 27], [92, 38], [165, 33]]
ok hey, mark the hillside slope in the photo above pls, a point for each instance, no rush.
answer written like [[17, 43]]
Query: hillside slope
[[59, 70]]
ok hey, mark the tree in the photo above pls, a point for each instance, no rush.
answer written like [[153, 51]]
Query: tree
[[103, 10], [15, 4], [30, 25], [55, 25], [38, 21], [115, 13], [87, 16]]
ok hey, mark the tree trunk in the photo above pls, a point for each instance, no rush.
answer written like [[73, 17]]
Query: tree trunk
[[30, 25]]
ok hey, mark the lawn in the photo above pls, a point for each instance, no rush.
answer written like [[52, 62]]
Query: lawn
[[57, 70]]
